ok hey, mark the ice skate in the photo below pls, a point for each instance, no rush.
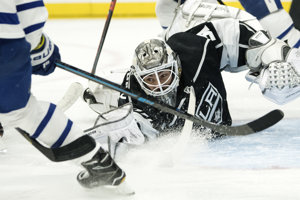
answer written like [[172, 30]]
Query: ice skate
[[101, 170]]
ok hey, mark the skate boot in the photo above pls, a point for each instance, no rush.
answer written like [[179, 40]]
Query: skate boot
[[101, 170]]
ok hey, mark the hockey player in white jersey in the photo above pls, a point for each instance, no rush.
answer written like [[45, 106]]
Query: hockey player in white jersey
[[270, 11], [26, 50]]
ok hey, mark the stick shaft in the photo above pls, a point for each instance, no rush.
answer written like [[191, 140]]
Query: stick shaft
[[105, 29], [221, 2]]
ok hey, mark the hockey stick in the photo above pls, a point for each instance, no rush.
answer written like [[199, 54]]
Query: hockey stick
[[180, 146], [73, 150], [58, 154], [257, 125], [108, 18], [88, 95], [221, 2]]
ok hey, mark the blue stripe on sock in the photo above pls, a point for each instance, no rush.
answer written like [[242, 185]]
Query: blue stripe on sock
[[63, 136], [9, 18], [27, 6], [285, 32], [34, 27], [259, 9], [297, 45], [278, 4], [44, 122]]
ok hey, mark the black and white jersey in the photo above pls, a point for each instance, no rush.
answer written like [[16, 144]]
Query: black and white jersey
[[200, 58]]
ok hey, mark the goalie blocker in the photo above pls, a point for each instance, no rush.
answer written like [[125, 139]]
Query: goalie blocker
[[120, 128], [275, 67]]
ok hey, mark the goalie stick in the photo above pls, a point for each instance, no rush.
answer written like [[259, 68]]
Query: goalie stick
[[257, 125], [74, 91], [180, 146]]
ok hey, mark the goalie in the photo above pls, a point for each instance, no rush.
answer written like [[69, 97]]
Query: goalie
[[203, 40]]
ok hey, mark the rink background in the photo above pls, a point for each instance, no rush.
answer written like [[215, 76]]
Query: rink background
[[124, 8], [261, 166]]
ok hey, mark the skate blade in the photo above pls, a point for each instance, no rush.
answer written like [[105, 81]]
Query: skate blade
[[122, 189]]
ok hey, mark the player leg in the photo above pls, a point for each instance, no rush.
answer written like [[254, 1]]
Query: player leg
[[42, 121], [269, 11]]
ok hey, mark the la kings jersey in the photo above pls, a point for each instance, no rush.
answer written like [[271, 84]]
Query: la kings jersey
[[200, 60]]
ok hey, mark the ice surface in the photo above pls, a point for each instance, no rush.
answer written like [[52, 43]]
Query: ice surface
[[261, 166]]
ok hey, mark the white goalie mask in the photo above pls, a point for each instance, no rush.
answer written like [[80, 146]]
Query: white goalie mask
[[156, 68]]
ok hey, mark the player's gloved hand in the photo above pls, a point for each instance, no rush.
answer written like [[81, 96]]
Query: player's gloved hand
[[43, 57]]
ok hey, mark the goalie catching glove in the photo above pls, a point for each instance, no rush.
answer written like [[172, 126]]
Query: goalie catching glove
[[275, 67]]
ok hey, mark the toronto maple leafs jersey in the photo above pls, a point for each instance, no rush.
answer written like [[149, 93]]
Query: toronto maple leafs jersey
[[200, 56], [270, 11], [22, 19]]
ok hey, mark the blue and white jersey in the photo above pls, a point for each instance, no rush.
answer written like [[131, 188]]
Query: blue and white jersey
[[22, 18], [275, 19], [21, 25]]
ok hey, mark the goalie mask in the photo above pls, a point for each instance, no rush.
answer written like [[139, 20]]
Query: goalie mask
[[156, 68]]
